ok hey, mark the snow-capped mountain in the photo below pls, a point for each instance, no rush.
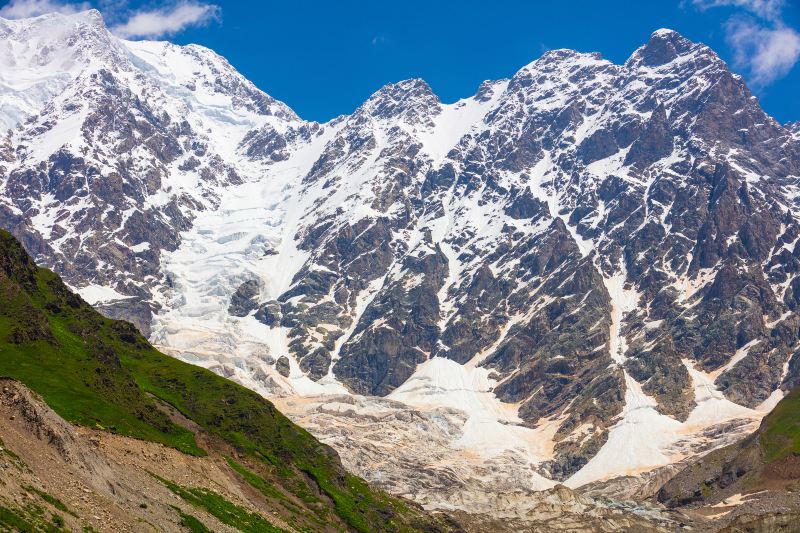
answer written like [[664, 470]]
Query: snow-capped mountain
[[114, 144], [585, 271]]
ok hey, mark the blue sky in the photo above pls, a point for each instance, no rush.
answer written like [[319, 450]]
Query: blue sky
[[325, 58]]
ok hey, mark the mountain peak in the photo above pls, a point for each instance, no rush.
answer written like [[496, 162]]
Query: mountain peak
[[558, 65], [663, 47], [396, 99], [412, 86], [567, 54], [666, 33], [91, 17], [560, 57], [47, 52]]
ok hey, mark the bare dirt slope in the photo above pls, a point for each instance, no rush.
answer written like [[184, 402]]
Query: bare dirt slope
[[94, 479]]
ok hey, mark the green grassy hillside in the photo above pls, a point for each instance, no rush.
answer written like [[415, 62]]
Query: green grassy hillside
[[101, 373], [779, 436]]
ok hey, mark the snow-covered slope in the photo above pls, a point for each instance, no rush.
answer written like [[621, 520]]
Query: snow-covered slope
[[112, 152], [584, 271], [38, 59]]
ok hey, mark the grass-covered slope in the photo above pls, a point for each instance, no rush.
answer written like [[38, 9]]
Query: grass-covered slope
[[779, 436], [101, 373]]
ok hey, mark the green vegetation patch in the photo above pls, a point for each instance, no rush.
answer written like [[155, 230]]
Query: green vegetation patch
[[191, 523], [10, 454], [228, 513], [256, 481], [781, 430], [30, 519], [318, 514], [52, 500]]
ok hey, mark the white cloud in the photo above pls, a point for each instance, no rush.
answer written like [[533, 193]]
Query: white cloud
[[20, 9], [766, 9], [145, 23], [763, 46], [767, 53], [166, 21]]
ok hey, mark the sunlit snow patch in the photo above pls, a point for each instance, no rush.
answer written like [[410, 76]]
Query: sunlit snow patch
[[491, 427], [98, 294], [645, 439]]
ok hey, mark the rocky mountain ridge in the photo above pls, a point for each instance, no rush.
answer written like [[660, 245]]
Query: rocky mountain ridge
[[600, 257]]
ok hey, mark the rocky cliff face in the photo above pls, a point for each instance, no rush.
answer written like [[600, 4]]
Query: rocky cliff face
[[606, 253]]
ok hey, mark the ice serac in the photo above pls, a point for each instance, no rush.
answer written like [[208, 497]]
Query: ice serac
[[596, 265]]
